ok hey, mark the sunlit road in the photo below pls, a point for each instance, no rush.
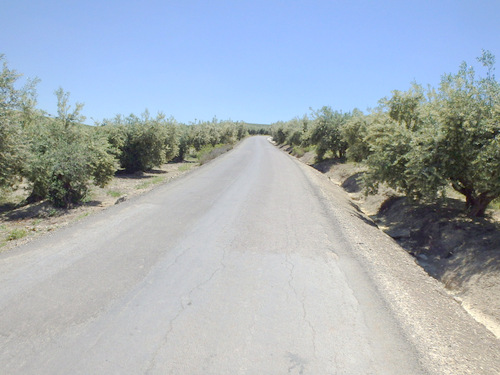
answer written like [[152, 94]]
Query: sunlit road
[[236, 268]]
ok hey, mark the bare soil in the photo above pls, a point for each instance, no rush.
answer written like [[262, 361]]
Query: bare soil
[[20, 224], [462, 253]]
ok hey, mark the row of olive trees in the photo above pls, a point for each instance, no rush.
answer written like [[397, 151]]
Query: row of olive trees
[[431, 139], [142, 143], [63, 157], [324, 128], [420, 141], [60, 157]]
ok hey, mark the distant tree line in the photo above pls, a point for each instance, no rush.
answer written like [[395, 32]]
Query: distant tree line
[[418, 142], [60, 157]]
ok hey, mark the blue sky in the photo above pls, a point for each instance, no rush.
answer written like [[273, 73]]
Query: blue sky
[[256, 61]]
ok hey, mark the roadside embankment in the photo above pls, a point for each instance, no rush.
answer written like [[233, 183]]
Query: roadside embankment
[[460, 252]]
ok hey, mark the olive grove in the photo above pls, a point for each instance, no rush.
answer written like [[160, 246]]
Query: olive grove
[[420, 141], [59, 157]]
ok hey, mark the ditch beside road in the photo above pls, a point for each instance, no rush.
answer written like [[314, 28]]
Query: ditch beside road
[[461, 252]]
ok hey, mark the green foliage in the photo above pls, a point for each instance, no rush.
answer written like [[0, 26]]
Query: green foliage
[[185, 143], [389, 146], [295, 138], [495, 204], [326, 132], [143, 148], [403, 107], [148, 183], [421, 144], [294, 132], [402, 158], [256, 129], [280, 132], [114, 193], [354, 133], [418, 142], [298, 134], [13, 103], [102, 162], [60, 156], [203, 135], [211, 133], [141, 144], [469, 142], [171, 141], [65, 157], [184, 168], [242, 131], [116, 134], [298, 151], [16, 234], [210, 152]]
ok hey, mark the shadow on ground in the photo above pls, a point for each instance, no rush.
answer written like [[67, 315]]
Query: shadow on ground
[[448, 244], [122, 174], [41, 210], [460, 252], [442, 237], [325, 165]]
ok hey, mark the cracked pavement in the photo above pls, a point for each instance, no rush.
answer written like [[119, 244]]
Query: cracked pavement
[[239, 267]]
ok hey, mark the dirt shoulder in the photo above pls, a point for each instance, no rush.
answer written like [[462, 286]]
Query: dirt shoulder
[[461, 253], [447, 338], [23, 224], [19, 225]]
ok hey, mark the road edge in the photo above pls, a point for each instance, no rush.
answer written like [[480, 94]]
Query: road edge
[[447, 337]]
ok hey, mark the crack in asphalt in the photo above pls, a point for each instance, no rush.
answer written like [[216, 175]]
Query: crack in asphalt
[[375, 311], [131, 300], [313, 331], [290, 278], [302, 300], [183, 307]]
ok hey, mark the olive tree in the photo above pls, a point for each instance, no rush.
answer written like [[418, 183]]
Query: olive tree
[[421, 143], [468, 110], [16, 106], [66, 156], [326, 132], [142, 143], [280, 132], [354, 133]]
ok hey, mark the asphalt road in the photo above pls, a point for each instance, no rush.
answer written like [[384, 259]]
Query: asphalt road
[[240, 267]]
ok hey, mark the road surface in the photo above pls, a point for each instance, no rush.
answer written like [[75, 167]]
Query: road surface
[[247, 265]]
